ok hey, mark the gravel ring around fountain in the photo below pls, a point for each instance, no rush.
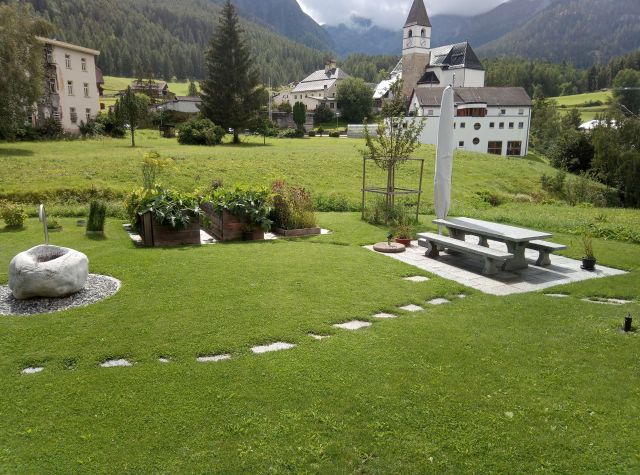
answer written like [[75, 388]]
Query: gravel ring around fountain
[[97, 287]]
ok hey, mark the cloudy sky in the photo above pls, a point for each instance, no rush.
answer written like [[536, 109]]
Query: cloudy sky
[[388, 13]]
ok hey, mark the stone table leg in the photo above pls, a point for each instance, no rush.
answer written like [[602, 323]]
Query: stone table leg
[[518, 262]]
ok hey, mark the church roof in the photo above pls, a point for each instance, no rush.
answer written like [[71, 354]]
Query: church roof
[[318, 80], [418, 14], [492, 96], [458, 55]]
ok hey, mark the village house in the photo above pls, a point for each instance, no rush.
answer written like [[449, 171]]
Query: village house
[[318, 88], [184, 104], [487, 119], [72, 85], [156, 90]]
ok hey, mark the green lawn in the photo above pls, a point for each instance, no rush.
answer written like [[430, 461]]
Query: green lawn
[[519, 384], [578, 101], [113, 84]]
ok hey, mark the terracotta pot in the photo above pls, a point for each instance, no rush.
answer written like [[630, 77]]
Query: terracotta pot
[[406, 242]]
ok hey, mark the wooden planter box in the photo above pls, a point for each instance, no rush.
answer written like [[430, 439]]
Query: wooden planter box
[[297, 232], [161, 235], [227, 227]]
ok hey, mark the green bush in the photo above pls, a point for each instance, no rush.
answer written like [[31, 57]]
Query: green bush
[[376, 212], [291, 134], [334, 203], [110, 125], [91, 128], [200, 132], [334, 134], [50, 129], [13, 214], [97, 216], [311, 133], [323, 114], [292, 207]]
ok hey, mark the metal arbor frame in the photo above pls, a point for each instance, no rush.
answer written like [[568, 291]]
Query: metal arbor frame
[[396, 191]]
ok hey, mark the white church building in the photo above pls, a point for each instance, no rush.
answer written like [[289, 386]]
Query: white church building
[[487, 119]]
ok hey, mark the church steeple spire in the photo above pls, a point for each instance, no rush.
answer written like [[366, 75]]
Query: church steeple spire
[[418, 15]]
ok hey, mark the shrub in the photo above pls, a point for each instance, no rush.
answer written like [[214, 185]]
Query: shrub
[[200, 132], [53, 224], [285, 107], [110, 126], [13, 214], [323, 114], [375, 212], [293, 207], [291, 134], [50, 129], [320, 131], [97, 216], [311, 133], [334, 134], [334, 203], [91, 129]]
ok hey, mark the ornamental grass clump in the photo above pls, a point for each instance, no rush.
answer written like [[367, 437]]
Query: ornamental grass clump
[[97, 217], [293, 207]]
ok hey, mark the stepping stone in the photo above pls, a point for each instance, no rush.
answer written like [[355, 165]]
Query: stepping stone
[[319, 337], [416, 278], [412, 308], [353, 325], [116, 363], [385, 315], [438, 301], [557, 296], [32, 370], [213, 358], [164, 360], [278, 346], [604, 301], [462, 296]]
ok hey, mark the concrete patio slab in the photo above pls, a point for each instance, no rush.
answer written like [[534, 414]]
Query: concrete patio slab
[[468, 272], [353, 325]]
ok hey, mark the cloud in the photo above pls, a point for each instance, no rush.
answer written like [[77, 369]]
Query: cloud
[[388, 13]]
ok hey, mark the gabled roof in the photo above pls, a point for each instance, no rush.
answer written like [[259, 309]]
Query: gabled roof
[[429, 78], [418, 15], [492, 96], [458, 55], [318, 80]]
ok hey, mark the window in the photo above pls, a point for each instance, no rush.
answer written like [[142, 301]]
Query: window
[[86, 89], [67, 61], [462, 125], [83, 63], [511, 124], [332, 105], [423, 33], [461, 143], [492, 125], [52, 85], [476, 141], [88, 114], [501, 125], [520, 111], [410, 34], [521, 125], [503, 111], [514, 148], [55, 113], [477, 126], [70, 88], [430, 112], [73, 115], [495, 148]]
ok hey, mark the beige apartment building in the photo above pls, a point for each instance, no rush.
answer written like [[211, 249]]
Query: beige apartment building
[[72, 93]]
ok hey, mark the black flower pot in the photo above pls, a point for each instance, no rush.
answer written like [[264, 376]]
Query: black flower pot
[[589, 263]]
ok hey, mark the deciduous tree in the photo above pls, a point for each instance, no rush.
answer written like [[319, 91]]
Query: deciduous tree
[[132, 109], [355, 98]]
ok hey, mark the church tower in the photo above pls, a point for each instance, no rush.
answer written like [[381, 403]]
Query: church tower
[[416, 48]]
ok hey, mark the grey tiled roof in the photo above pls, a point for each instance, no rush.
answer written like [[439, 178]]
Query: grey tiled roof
[[492, 96], [418, 14], [458, 55], [318, 80]]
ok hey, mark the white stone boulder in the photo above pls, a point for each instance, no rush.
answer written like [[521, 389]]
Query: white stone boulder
[[47, 271]]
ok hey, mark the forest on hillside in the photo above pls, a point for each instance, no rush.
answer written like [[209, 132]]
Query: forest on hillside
[[165, 38]]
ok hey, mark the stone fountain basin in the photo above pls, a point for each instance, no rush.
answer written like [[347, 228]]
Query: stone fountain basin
[[47, 271]]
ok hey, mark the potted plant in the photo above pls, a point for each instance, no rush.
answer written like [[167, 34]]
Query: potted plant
[[404, 234], [589, 259]]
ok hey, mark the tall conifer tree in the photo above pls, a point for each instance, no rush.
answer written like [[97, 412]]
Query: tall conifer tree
[[231, 93]]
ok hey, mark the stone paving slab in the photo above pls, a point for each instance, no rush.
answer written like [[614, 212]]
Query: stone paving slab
[[438, 301], [468, 272], [277, 346], [33, 370], [384, 316], [416, 278], [353, 325], [116, 363], [411, 308], [605, 301], [319, 337], [213, 358]]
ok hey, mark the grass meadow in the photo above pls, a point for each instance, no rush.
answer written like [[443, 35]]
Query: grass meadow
[[524, 383]]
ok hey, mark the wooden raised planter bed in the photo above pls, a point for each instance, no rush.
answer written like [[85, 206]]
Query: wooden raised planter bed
[[297, 232], [161, 235], [227, 227]]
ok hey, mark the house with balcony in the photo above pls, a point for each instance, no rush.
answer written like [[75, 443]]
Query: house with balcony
[[72, 90]]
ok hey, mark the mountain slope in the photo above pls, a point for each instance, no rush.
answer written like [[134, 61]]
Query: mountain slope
[[361, 35], [166, 38], [582, 32]]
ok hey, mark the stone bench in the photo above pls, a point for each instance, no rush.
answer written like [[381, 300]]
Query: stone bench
[[491, 256], [545, 248]]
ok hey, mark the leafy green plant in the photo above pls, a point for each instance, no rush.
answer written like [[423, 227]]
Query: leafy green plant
[[587, 244], [169, 207], [335, 134], [200, 132], [291, 134], [152, 165], [97, 216], [53, 224], [404, 231], [252, 204], [13, 214], [293, 207]]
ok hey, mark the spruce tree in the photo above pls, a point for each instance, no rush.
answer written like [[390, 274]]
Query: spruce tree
[[193, 89], [132, 109], [231, 92]]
